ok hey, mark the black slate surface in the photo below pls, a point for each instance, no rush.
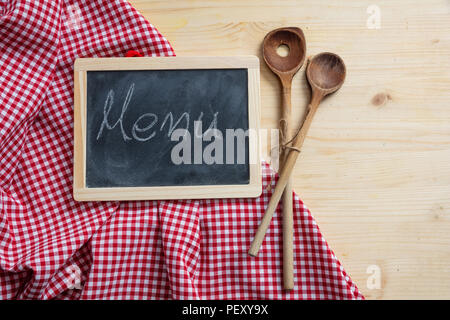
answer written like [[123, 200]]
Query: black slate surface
[[117, 101]]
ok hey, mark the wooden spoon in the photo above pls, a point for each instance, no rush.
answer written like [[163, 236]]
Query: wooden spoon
[[326, 74], [285, 67]]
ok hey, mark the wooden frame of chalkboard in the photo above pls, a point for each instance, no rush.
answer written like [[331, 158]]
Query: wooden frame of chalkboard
[[82, 191]]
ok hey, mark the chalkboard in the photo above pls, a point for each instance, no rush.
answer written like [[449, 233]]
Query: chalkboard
[[119, 157], [148, 127]]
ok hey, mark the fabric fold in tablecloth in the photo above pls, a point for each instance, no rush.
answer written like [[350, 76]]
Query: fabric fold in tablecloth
[[54, 247]]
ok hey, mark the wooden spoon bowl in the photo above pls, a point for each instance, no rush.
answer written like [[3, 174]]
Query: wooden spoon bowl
[[326, 72], [294, 39]]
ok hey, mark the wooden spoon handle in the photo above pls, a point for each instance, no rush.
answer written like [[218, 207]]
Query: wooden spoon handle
[[288, 220], [288, 238], [283, 180]]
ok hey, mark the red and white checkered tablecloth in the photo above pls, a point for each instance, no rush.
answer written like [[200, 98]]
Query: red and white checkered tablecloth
[[54, 247]]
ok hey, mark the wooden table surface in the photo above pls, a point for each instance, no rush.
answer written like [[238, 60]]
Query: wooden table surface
[[375, 166]]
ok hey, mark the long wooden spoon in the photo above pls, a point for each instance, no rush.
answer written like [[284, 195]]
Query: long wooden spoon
[[285, 67], [326, 74]]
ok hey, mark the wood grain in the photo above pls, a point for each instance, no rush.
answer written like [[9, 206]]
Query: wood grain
[[374, 169]]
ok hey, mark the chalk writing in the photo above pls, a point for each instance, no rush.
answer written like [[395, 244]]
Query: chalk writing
[[140, 130]]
